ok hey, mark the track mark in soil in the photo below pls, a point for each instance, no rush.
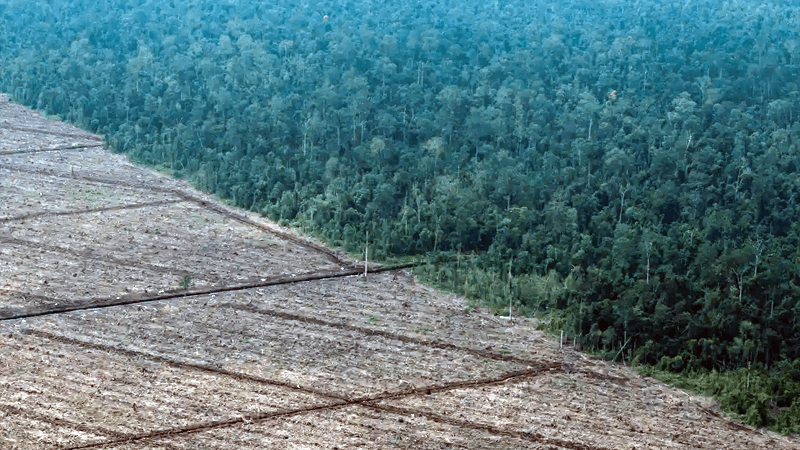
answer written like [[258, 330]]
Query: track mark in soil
[[414, 442], [420, 441], [88, 255], [90, 210], [168, 432], [25, 297], [137, 298], [331, 255], [77, 176], [55, 149], [368, 331], [534, 369], [523, 435], [91, 137], [135, 354], [62, 422], [338, 400]]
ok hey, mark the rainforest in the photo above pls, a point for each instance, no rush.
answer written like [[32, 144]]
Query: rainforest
[[627, 169]]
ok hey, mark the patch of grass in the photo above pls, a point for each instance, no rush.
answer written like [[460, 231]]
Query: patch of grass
[[560, 382]]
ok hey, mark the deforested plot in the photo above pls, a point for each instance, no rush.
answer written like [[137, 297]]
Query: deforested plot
[[137, 313], [27, 195]]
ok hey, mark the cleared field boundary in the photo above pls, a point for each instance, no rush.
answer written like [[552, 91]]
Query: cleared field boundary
[[62, 422], [76, 175], [90, 210], [338, 400], [319, 322], [372, 332], [331, 255], [88, 136], [88, 255], [55, 149], [270, 281]]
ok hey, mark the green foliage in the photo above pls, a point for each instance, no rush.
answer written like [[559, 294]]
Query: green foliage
[[631, 171], [753, 395]]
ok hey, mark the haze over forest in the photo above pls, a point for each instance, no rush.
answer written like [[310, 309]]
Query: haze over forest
[[630, 167]]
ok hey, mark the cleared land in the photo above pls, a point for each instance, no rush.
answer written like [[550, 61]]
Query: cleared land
[[139, 313]]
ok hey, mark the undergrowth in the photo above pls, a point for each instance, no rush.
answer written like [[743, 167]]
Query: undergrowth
[[755, 395]]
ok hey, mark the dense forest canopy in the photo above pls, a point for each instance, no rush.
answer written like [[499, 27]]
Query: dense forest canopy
[[633, 163]]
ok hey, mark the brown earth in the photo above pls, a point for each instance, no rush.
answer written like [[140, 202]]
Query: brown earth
[[139, 313]]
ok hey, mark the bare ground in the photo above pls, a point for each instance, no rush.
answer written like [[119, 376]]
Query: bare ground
[[139, 313]]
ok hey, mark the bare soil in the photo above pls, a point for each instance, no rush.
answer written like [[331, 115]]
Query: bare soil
[[139, 313]]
